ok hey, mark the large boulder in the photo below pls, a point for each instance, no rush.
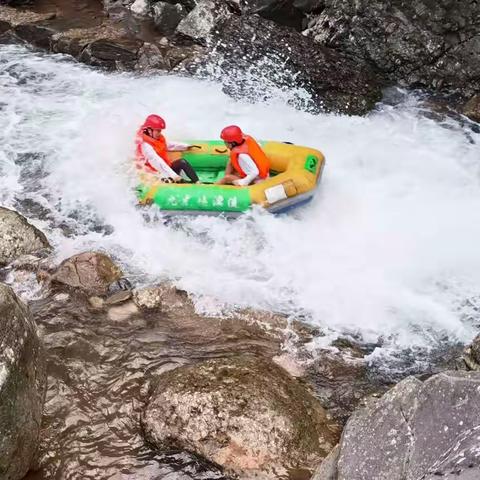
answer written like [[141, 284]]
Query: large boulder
[[243, 413], [433, 44], [91, 272], [22, 386], [18, 237], [283, 57], [418, 430]]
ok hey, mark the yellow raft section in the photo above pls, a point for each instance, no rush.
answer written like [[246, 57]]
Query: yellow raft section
[[295, 172]]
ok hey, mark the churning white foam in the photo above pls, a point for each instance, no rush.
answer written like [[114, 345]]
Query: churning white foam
[[389, 247]]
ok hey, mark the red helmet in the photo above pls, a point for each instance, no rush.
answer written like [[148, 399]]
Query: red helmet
[[154, 121], [232, 134]]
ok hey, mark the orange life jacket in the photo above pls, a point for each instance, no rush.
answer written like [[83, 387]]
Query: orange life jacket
[[252, 148], [159, 145]]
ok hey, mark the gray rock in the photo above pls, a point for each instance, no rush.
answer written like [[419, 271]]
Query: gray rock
[[423, 43], [167, 16], [243, 413], [91, 272], [140, 7], [18, 237], [150, 57], [416, 431], [471, 354], [203, 19], [22, 386], [472, 110]]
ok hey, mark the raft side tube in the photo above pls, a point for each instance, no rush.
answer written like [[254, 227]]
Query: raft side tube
[[295, 171]]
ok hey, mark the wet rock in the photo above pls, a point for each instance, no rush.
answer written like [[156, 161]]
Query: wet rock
[[22, 386], [14, 16], [18, 237], [96, 302], [150, 298], [202, 20], [283, 12], [167, 16], [4, 27], [309, 6], [150, 57], [28, 262], [91, 272], [122, 312], [427, 44], [118, 297], [35, 35], [341, 383], [472, 108], [333, 80], [243, 413], [117, 55], [471, 356], [417, 430]]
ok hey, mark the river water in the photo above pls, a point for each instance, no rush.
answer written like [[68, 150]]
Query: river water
[[386, 253]]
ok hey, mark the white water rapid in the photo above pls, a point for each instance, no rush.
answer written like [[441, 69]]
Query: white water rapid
[[388, 248]]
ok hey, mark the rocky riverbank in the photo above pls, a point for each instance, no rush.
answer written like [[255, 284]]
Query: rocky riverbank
[[340, 52], [141, 385]]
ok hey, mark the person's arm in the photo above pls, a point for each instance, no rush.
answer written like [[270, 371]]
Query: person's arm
[[229, 168], [249, 167], [177, 146], [158, 163]]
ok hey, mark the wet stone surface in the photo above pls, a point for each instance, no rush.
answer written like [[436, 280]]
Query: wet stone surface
[[100, 371]]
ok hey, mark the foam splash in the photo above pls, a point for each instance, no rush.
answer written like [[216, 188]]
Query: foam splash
[[389, 247]]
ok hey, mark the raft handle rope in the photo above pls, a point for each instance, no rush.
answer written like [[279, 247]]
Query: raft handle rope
[[221, 151]]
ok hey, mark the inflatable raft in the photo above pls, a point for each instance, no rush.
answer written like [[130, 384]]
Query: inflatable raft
[[294, 174]]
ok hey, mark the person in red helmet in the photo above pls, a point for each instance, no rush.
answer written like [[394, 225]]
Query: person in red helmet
[[152, 152], [248, 162]]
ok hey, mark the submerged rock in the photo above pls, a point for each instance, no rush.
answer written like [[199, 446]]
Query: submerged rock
[[22, 386], [91, 272], [243, 413], [417, 430], [18, 237]]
